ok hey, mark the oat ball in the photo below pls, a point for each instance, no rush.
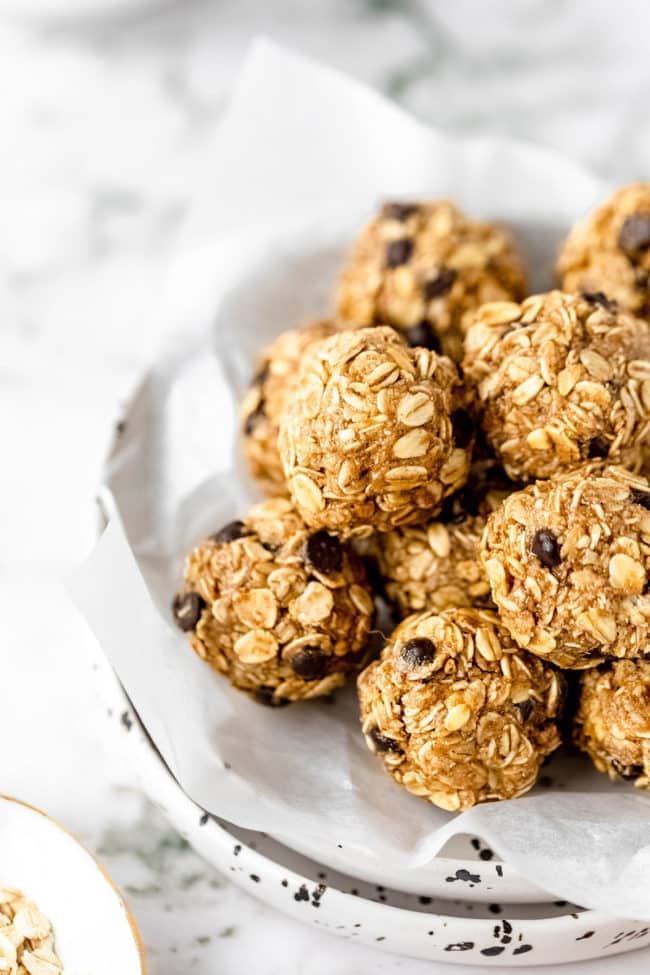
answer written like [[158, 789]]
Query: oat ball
[[560, 379], [423, 267], [281, 611], [457, 712], [271, 389], [612, 724], [437, 565], [376, 435], [607, 255], [569, 565]]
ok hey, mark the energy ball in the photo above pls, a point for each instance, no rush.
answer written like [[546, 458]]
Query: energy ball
[[281, 611], [437, 565], [422, 267], [560, 379], [569, 565], [457, 712], [270, 390], [607, 255], [612, 724], [376, 434]]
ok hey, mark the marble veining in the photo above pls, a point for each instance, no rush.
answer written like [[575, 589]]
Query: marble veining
[[105, 123]]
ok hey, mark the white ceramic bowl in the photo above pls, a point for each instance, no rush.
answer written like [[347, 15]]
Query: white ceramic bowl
[[492, 931], [93, 929]]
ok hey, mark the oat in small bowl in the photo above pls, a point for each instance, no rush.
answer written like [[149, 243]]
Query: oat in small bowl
[[60, 913]]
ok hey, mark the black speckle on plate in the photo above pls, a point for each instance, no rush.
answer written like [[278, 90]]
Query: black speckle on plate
[[254, 878], [204, 819], [522, 949], [127, 720]]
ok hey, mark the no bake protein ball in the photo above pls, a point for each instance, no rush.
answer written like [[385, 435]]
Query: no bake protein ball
[[271, 389], [457, 713], [423, 267], [560, 379], [437, 565], [281, 611], [613, 720], [569, 566], [608, 253], [376, 434]]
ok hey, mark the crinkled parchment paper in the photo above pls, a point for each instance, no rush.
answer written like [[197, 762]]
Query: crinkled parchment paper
[[302, 157]]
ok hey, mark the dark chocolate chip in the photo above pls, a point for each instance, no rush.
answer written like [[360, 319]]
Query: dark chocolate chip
[[324, 552], [642, 498], [600, 298], [399, 252], [420, 650], [398, 211], [546, 548], [310, 663], [187, 608], [634, 235], [254, 419], [441, 284], [525, 709], [230, 532], [383, 743], [424, 337], [266, 695], [597, 447], [463, 428], [627, 771]]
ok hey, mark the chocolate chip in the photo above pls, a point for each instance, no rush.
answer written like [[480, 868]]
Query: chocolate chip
[[254, 419], [634, 235], [187, 608], [399, 252], [398, 211], [266, 695], [420, 650], [463, 428], [383, 743], [627, 771], [324, 552], [597, 447], [310, 663], [600, 298], [441, 284], [230, 532], [642, 498], [423, 336], [525, 709], [546, 548]]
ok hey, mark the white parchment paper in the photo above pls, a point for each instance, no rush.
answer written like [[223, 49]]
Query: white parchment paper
[[304, 155]]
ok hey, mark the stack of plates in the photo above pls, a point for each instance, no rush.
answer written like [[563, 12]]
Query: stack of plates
[[465, 906]]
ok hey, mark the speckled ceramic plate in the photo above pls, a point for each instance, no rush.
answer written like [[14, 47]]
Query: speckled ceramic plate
[[93, 929], [455, 928]]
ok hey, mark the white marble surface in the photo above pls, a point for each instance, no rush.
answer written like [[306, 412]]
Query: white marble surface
[[104, 124]]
